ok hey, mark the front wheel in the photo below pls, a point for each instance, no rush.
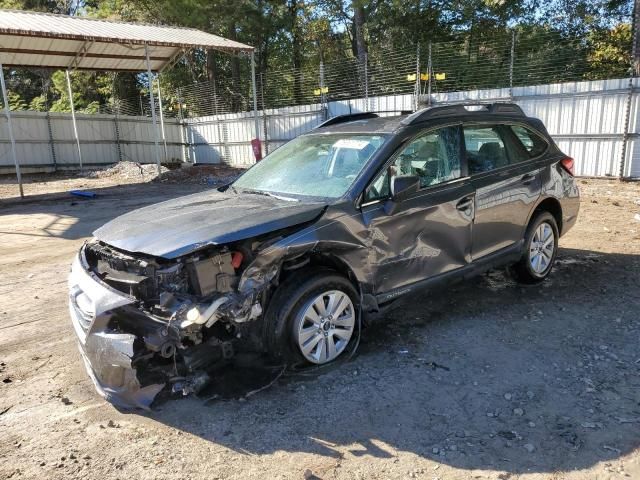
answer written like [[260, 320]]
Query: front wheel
[[312, 318], [540, 250]]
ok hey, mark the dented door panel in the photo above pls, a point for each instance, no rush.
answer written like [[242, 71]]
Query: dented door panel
[[420, 237]]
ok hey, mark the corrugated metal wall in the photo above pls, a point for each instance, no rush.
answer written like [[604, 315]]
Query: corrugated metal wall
[[45, 141], [587, 119]]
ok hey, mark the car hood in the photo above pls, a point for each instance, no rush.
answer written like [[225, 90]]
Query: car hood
[[182, 225]]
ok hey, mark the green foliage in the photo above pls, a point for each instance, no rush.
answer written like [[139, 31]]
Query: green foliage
[[610, 53], [16, 102], [39, 103], [557, 40]]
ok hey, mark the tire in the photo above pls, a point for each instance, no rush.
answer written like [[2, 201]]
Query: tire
[[537, 259], [288, 323]]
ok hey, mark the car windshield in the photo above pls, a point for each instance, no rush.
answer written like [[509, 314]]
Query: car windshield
[[323, 165]]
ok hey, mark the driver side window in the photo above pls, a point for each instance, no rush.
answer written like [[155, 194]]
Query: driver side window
[[433, 157]]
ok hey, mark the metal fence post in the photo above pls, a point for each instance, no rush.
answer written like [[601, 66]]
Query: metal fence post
[[365, 68], [51, 141], [156, 140], [73, 118], [264, 116], [117, 132], [416, 90], [429, 74], [627, 112], [7, 111], [323, 96], [511, 62], [162, 130], [184, 148], [627, 125]]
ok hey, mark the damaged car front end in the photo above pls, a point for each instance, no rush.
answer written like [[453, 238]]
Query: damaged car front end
[[144, 322]]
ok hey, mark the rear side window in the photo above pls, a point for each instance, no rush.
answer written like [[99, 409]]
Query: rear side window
[[532, 142], [485, 148]]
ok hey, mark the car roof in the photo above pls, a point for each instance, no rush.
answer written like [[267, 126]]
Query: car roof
[[363, 125], [372, 123]]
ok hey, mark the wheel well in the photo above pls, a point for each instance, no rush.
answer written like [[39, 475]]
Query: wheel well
[[320, 260], [552, 206]]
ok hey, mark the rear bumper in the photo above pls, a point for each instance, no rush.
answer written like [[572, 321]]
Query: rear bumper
[[107, 354], [570, 205]]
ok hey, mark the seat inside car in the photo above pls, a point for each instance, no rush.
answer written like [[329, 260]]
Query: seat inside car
[[490, 156]]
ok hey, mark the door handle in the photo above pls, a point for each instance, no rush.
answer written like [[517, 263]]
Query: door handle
[[527, 179], [465, 203]]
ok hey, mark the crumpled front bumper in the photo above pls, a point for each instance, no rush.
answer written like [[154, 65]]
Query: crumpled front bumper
[[107, 353]]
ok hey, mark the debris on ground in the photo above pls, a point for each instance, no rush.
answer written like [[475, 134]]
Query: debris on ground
[[122, 173], [128, 170], [212, 175]]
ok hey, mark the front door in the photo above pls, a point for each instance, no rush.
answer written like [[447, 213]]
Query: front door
[[428, 233]]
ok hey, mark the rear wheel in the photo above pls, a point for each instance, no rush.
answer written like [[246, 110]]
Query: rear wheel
[[311, 318], [540, 250]]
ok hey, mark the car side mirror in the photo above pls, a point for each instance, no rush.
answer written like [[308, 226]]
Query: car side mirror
[[403, 186]]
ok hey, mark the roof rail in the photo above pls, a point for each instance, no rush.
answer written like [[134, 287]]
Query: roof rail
[[461, 109], [352, 117]]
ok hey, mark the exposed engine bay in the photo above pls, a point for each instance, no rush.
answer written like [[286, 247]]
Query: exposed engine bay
[[185, 315]]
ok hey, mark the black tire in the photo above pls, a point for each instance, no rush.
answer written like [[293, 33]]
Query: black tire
[[288, 300], [523, 270]]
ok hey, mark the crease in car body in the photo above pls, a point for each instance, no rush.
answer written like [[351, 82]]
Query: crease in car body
[[321, 235]]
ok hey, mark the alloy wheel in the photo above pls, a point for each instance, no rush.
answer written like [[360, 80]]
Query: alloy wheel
[[325, 326], [541, 248]]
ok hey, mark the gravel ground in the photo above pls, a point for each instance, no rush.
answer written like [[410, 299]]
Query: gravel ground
[[487, 379]]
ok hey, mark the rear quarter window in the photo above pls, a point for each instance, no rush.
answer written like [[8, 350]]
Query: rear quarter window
[[532, 142]]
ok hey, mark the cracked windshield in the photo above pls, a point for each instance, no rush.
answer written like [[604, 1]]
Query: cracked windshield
[[315, 165]]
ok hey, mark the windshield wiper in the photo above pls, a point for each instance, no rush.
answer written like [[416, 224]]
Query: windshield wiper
[[268, 194]]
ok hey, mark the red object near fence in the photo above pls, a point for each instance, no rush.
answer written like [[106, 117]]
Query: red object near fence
[[257, 148]]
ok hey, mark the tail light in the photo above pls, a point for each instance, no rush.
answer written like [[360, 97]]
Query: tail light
[[567, 164]]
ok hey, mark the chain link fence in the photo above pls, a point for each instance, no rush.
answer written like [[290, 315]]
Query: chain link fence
[[504, 60]]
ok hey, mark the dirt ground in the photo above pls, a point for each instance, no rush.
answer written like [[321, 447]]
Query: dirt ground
[[487, 379], [52, 185]]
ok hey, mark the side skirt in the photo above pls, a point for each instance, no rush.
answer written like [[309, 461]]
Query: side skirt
[[502, 257]]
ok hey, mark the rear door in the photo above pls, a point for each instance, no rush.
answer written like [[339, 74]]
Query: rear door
[[428, 233], [506, 182]]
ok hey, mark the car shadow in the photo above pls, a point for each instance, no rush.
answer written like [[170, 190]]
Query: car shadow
[[486, 374]]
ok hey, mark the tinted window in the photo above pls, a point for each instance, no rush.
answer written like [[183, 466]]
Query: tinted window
[[485, 149], [434, 157], [532, 142]]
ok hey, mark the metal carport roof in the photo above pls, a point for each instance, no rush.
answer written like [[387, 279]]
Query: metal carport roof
[[33, 39], [44, 40]]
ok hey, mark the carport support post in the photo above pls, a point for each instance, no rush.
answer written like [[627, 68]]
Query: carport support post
[[164, 137], [7, 111], [156, 141], [73, 118], [255, 96]]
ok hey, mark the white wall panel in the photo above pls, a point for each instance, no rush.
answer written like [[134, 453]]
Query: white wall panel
[[587, 119]]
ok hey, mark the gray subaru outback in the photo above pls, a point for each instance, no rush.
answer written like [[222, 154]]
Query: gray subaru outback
[[314, 242]]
